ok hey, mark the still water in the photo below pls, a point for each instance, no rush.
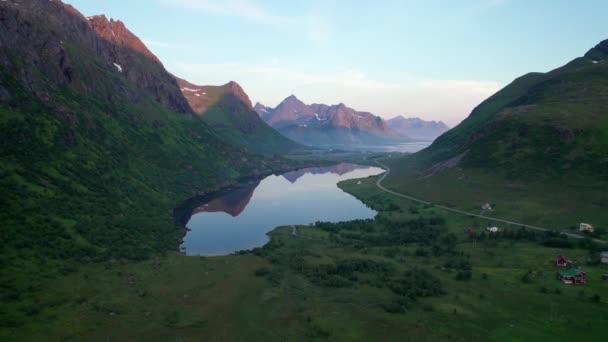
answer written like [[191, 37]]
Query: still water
[[240, 219]]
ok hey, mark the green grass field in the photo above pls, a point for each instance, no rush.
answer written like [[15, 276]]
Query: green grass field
[[289, 290], [555, 205]]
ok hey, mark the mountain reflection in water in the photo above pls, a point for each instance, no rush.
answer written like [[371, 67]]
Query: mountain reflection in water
[[241, 218]]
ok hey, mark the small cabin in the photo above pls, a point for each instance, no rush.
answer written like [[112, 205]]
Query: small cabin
[[562, 261], [586, 227], [604, 257], [573, 276], [486, 206], [492, 229]]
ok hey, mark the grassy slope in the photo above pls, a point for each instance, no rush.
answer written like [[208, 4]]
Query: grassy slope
[[537, 149], [241, 126], [220, 298], [89, 179]]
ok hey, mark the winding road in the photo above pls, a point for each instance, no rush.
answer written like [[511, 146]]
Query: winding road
[[388, 170]]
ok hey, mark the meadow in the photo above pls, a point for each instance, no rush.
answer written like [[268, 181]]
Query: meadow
[[410, 274]]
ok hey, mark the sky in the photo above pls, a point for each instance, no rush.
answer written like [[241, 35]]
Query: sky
[[431, 59]]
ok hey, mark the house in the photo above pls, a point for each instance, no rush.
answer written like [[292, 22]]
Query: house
[[572, 276], [604, 257], [486, 206], [562, 261], [492, 229], [586, 227]]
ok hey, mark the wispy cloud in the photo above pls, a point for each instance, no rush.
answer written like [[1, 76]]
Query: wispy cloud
[[312, 26], [240, 8]]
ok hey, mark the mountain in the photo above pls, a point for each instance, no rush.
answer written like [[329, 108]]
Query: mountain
[[98, 144], [417, 128], [537, 149], [547, 123], [323, 125], [228, 110]]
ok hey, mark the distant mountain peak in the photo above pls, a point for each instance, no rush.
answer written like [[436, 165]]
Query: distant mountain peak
[[318, 123], [416, 127]]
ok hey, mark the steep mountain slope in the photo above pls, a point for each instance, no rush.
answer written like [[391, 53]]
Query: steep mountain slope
[[93, 156], [227, 109], [538, 148], [554, 122], [417, 128], [323, 125]]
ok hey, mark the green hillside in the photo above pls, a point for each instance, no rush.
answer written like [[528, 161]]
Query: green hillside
[[239, 125], [93, 159], [538, 149]]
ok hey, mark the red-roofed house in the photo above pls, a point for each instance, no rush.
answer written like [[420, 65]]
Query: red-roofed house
[[572, 276], [562, 261]]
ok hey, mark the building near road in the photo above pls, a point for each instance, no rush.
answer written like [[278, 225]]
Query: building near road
[[604, 257], [586, 227], [573, 276], [492, 229], [486, 206], [562, 261]]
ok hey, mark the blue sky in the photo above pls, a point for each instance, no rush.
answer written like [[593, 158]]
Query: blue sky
[[432, 59]]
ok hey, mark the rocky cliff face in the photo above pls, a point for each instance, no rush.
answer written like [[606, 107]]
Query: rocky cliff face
[[50, 44], [117, 33], [322, 124]]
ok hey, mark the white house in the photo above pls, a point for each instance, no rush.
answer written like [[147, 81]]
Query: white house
[[586, 227], [492, 229], [604, 257], [486, 206]]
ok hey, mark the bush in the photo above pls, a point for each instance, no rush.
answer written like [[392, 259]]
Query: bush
[[262, 271], [464, 275]]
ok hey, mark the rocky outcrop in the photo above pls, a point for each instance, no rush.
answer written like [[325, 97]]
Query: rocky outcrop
[[50, 44]]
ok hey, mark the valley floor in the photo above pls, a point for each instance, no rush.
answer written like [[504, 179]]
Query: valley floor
[[410, 274]]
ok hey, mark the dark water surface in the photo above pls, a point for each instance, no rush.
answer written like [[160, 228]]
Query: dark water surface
[[240, 219]]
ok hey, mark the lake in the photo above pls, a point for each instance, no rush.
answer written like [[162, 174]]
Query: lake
[[240, 219]]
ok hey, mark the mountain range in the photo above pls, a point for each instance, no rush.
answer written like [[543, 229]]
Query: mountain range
[[100, 135], [323, 125], [417, 128]]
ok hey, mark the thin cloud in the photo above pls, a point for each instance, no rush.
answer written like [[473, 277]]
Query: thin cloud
[[312, 27]]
